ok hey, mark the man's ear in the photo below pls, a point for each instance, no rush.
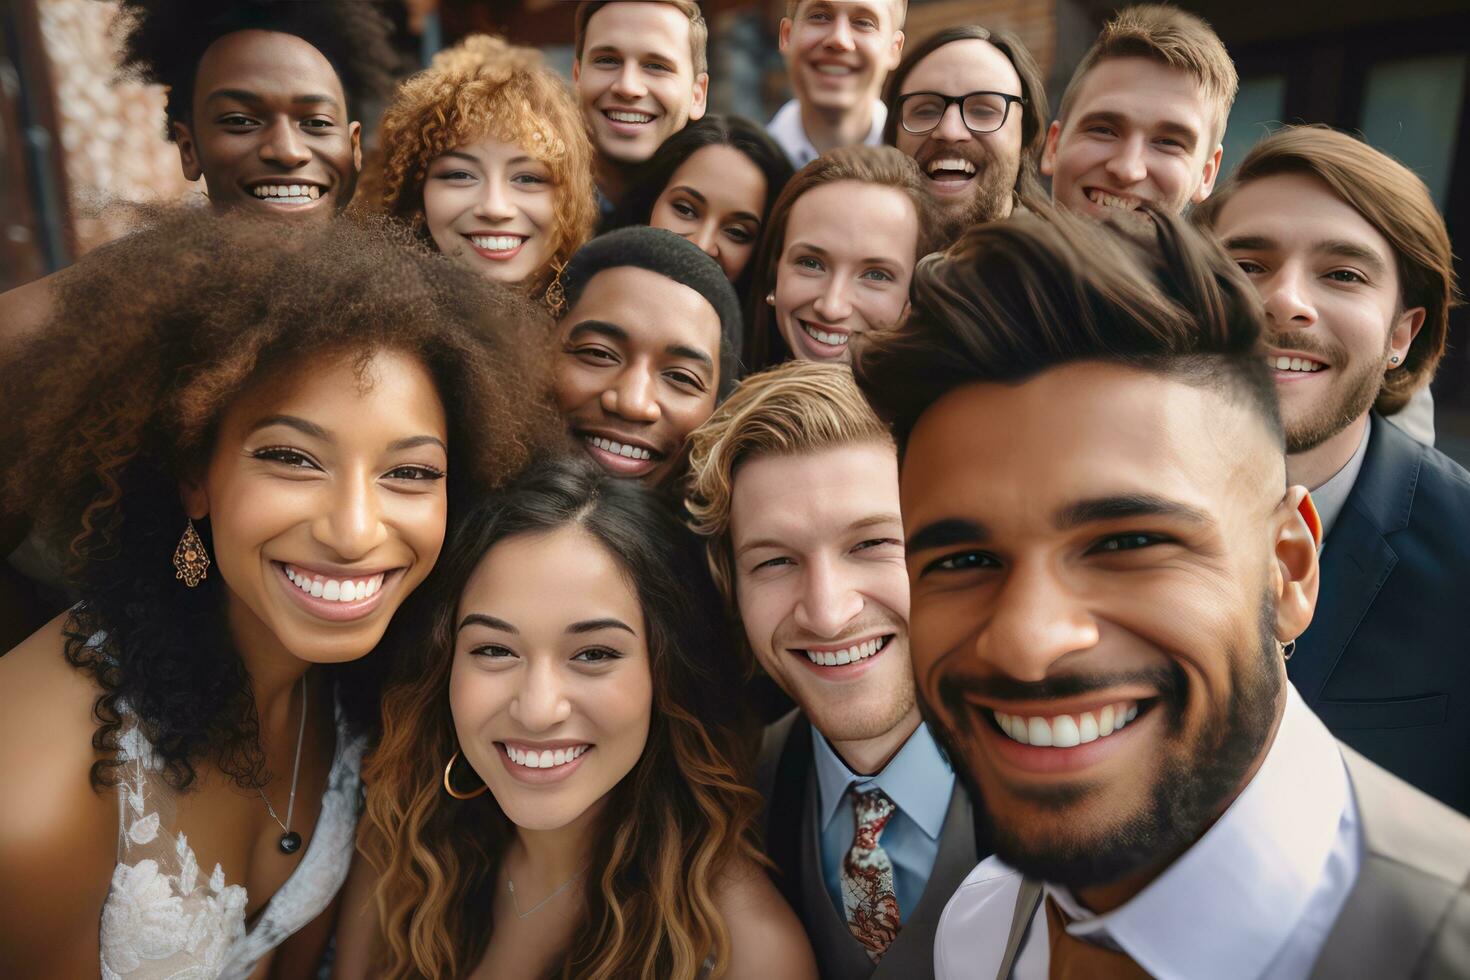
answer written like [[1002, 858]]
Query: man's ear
[[783, 35], [1049, 152], [897, 50], [576, 70], [1295, 574], [356, 129], [699, 100], [1211, 172], [1405, 329], [188, 151]]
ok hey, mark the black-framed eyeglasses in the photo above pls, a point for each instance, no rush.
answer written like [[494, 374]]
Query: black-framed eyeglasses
[[982, 112]]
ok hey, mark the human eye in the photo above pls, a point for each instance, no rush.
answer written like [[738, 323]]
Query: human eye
[[597, 655], [1347, 276], [684, 210], [685, 379], [658, 66], [818, 16], [593, 354], [1127, 541], [530, 179], [456, 175], [865, 23], [606, 61], [879, 546], [286, 456], [878, 275], [414, 471], [1250, 267], [318, 123], [235, 120], [808, 263], [739, 234], [1100, 129], [492, 652], [960, 561], [777, 562]]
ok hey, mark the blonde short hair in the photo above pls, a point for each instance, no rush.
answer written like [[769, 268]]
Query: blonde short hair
[[794, 408], [1170, 37]]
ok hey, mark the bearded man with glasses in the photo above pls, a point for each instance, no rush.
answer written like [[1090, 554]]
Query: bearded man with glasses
[[969, 107]]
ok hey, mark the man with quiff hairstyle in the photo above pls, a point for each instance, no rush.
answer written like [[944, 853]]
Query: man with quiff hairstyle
[[1354, 268], [794, 484], [1143, 116]]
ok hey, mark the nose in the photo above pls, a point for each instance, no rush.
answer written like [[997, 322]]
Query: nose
[[632, 395], [952, 128], [495, 204], [284, 145], [828, 600], [352, 525], [833, 305], [707, 237], [839, 38], [629, 82], [1285, 300], [1127, 164], [540, 702], [1036, 621]]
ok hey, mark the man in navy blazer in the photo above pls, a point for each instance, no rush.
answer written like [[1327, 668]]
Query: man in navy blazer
[[1353, 265]]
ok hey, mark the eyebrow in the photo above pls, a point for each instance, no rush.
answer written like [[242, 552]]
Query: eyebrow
[[413, 442], [1167, 126], [873, 520], [743, 215], [584, 626], [1126, 505], [615, 332], [317, 432], [870, 260], [653, 55], [947, 532], [245, 95], [462, 155], [1339, 247]]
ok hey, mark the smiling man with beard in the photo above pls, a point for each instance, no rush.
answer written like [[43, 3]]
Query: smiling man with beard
[[968, 105], [1354, 268], [1107, 571]]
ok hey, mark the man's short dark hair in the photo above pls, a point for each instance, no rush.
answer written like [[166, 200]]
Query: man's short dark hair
[[162, 42], [1014, 298], [1035, 113], [673, 257]]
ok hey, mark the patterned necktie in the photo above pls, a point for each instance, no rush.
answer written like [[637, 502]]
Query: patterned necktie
[[867, 876], [1077, 959]]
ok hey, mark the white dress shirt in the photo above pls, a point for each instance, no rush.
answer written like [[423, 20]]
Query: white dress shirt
[[786, 129], [1331, 497], [1253, 899]]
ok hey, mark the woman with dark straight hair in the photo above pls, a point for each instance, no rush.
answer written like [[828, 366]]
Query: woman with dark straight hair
[[713, 182], [563, 747]]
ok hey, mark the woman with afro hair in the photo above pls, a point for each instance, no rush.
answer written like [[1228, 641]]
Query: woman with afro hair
[[488, 159], [249, 438]]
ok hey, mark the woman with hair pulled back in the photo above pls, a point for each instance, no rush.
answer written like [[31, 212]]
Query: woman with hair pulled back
[[558, 792], [486, 156], [249, 437]]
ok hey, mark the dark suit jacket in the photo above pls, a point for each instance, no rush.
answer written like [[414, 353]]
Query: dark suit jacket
[[1386, 661], [787, 778]]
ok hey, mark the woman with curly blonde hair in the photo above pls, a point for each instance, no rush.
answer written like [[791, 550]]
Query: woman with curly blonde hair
[[486, 155], [556, 791]]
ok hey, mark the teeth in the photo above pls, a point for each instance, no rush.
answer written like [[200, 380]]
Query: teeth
[[833, 69], [619, 449], [1283, 363], [545, 759], [835, 658], [830, 339], [629, 117], [1113, 201], [1066, 731], [951, 163], [337, 590], [496, 243], [289, 193]]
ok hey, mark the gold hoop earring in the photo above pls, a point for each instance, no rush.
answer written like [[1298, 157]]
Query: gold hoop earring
[[555, 296], [190, 559], [449, 787]]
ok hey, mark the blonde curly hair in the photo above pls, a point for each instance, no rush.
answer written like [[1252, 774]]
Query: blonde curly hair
[[485, 87]]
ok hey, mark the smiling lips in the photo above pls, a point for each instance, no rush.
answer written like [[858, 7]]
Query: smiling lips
[[331, 598], [499, 248], [292, 195], [1066, 731], [536, 764], [620, 458]]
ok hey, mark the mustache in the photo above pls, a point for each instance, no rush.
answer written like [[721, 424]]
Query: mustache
[[1305, 342]]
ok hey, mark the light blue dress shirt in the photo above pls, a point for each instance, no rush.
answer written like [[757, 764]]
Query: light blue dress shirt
[[919, 781]]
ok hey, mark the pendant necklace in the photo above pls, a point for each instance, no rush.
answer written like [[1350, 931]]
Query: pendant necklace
[[560, 888], [290, 841]]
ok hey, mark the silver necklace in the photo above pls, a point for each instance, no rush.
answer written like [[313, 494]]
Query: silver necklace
[[533, 909], [290, 841]]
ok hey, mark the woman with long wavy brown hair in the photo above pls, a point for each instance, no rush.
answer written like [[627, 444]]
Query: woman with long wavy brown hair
[[555, 791]]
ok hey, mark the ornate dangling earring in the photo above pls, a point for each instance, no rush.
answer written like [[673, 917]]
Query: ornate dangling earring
[[555, 296], [449, 787], [1287, 649], [190, 558]]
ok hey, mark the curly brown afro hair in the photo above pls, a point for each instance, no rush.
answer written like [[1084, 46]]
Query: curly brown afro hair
[[162, 41], [151, 340]]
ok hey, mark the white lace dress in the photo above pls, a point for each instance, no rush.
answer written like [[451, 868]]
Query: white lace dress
[[166, 919]]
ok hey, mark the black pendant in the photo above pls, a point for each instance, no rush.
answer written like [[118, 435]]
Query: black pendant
[[290, 842]]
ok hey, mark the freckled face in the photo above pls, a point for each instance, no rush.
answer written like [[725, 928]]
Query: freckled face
[[715, 199], [551, 687], [492, 206], [326, 503], [845, 267]]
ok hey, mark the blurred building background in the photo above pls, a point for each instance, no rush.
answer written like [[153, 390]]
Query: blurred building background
[[71, 140]]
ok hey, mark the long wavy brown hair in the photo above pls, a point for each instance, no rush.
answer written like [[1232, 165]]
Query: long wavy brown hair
[[675, 824], [485, 87]]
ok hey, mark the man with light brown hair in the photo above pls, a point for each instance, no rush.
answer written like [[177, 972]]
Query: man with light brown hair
[[794, 485], [641, 75], [1142, 118], [1353, 265]]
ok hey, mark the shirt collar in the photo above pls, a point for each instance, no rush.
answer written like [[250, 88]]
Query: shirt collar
[[918, 779], [786, 129], [1235, 897], [1331, 497]]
